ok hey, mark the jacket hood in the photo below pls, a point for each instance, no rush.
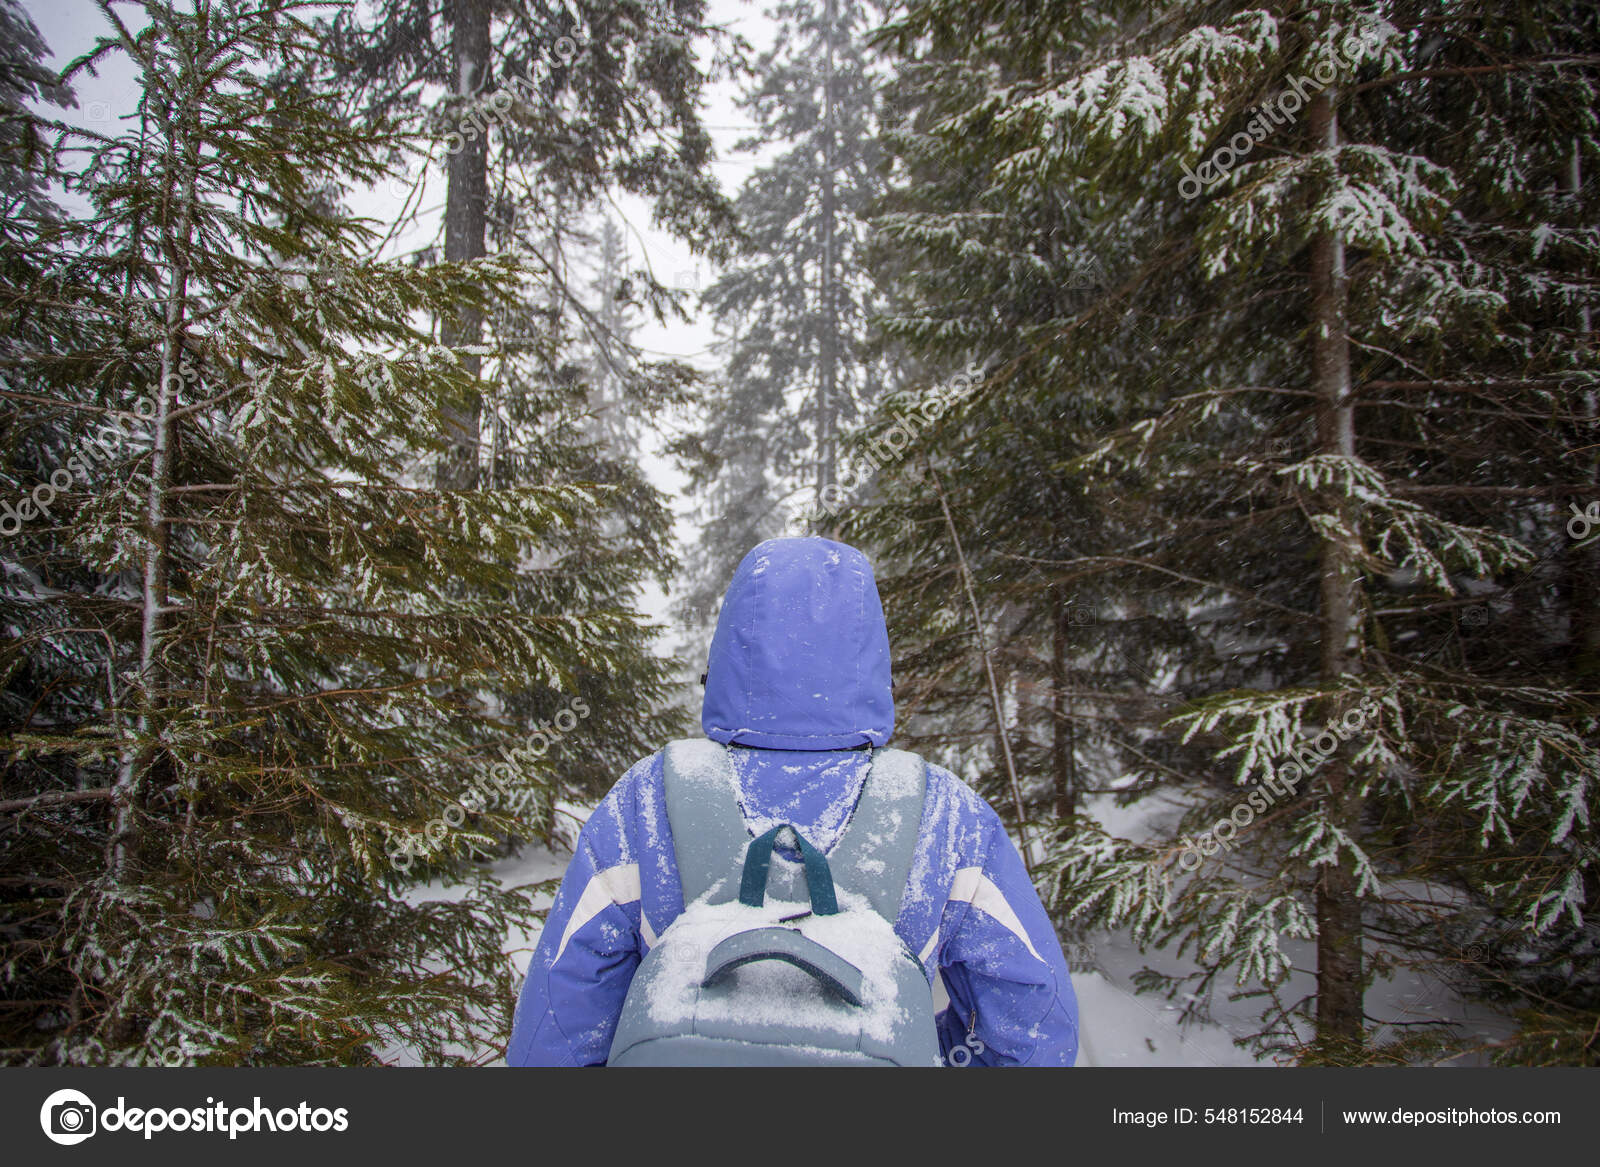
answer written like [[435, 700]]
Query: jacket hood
[[800, 657]]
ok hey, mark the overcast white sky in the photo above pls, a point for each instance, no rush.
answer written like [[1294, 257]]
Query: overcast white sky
[[71, 26]]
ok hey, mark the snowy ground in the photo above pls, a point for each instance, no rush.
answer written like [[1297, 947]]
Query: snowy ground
[[1123, 1028], [1119, 1027]]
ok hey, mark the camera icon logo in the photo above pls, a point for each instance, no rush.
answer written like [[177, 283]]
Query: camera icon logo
[[68, 1117]]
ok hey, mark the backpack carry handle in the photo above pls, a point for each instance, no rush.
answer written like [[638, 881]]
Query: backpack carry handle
[[758, 862], [830, 970]]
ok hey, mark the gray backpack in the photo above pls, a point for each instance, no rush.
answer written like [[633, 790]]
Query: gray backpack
[[776, 963]]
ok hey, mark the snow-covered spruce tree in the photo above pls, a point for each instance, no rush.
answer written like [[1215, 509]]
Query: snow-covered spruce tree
[[538, 109], [249, 625], [46, 679], [25, 147], [611, 423], [1339, 486], [537, 113], [553, 368], [976, 275], [793, 307]]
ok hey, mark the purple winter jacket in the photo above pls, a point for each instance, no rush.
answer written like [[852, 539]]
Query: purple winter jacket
[[798, 686]]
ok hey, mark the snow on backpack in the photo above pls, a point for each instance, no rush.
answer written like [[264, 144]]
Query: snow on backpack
[[776, 963]]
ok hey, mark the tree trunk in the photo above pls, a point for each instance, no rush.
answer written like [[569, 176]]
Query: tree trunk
[[465, 216], [1339, 925], [828, 341], [1063, 739], [177, 235]]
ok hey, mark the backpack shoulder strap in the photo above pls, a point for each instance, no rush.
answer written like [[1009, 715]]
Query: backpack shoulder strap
[[873, 858], [709, 836]]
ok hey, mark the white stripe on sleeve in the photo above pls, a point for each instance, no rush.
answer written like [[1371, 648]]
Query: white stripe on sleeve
[[645, 930], [615, 885], [972, 886]]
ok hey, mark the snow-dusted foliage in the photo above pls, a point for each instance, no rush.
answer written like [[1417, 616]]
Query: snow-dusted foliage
[[1288, 323], [252, 651], [792, 309]]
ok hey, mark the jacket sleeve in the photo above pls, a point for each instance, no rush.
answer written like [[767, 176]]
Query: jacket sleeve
[[589, 949], [1011, 998]]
